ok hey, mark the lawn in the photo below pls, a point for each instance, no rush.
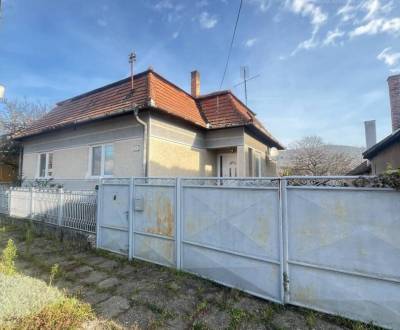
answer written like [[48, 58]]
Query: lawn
[[57, 286]]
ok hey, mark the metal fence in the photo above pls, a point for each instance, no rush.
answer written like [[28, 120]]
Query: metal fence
[[72, 209], [317, 242]]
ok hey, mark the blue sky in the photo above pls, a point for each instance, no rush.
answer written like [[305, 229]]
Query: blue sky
[[323, 64]]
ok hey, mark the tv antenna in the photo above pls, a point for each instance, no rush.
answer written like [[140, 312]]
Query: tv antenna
[[132, 61], [244, 74]]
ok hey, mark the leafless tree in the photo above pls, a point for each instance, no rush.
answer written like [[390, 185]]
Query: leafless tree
[[311, 156], [15, 116]]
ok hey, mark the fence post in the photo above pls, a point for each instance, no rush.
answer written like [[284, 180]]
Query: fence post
[[178, 228], [99, 198], [284, 242], [32, 203], [60, 207], [9, 200], [131, 218]]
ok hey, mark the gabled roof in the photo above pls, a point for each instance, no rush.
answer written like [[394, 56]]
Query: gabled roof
[[383, 144], [150, 90]]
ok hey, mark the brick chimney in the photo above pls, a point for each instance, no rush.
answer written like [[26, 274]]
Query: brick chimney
[[195, 83], [394, 93]]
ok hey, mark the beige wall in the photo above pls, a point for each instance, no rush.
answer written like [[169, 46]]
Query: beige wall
[[176, 149], [70, 148], [388, 158], [268, 167]]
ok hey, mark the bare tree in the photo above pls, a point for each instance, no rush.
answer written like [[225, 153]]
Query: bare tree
[[15, 116], [311, 156]]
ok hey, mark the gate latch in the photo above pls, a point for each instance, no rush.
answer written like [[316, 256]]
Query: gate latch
[[285, 282]]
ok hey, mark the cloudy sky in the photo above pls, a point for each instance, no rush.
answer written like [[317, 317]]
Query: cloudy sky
[[322, 64]]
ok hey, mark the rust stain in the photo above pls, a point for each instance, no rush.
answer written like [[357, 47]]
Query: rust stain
[[305, 294], [161, 209]]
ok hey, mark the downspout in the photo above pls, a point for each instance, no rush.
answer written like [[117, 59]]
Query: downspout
[[145, 140]]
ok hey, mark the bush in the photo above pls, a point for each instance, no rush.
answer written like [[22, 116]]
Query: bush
[[7, 261]]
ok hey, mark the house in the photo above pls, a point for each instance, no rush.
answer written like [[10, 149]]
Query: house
[[385, 154], [154, 129]]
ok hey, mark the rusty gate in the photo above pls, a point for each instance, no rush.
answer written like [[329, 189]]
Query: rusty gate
[[329, 248]]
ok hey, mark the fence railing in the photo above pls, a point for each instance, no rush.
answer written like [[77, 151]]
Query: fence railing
[[72, 209]]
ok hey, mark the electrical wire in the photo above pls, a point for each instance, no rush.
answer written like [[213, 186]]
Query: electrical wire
[[230, 48]]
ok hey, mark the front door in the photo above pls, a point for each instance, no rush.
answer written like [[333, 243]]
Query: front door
[[227, 165]]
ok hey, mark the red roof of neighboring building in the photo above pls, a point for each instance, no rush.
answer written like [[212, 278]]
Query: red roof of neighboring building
[[150, 90]]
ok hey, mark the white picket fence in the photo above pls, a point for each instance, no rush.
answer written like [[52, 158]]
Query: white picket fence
[[72, 209]]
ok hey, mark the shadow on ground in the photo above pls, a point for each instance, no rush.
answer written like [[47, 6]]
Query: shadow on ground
[[146, 296]]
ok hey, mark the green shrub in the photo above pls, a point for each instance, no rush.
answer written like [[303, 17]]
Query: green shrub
[[7, 261]]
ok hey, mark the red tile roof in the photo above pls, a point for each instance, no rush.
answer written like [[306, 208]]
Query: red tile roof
[[216, 110]]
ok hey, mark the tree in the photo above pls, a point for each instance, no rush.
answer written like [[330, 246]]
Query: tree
[[15, 116], [311, 156]]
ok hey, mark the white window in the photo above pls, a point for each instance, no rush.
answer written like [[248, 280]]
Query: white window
[[102, 160], [45, 165], [257, 164]]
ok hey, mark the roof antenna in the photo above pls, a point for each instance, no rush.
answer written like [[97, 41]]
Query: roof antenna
[[244, 73], [132, 61]]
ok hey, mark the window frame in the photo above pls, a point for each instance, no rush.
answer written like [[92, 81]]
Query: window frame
[[257, 160], [102, 161], [46, 167]]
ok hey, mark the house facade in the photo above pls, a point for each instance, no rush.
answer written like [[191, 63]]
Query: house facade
[[385, 154], [154, 129]]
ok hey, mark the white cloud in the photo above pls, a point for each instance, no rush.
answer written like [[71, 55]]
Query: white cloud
[[207, 21], [332, 36], [389, 57], [175, 35], [307, 8], [263, 5], [373, 8], [250, 42], [347, 12], [378, 25]]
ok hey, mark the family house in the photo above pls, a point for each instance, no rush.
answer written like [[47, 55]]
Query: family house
[[147, 126]]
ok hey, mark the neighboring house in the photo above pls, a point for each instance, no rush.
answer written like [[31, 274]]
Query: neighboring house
[[157, 129], [385, 154]]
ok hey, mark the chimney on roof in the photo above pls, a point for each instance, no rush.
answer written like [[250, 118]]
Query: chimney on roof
[[370, 133], [394, 93], [195, 83]]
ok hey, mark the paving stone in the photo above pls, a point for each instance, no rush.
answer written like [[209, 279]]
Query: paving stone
[[126, 270], [108, 283], [93, 261], [94, 277], [93, 297], [137, 315], [113, 306], [82, 269], [109, 265]]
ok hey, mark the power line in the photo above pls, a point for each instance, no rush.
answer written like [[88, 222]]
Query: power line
[[230, 48]]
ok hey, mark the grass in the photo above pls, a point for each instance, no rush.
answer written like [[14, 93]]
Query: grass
[[7, 260]]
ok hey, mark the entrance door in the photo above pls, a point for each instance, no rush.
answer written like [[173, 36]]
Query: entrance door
[[227, 165]]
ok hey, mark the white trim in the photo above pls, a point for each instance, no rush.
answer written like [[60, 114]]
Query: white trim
[[46, 168], [257, 153], [102, 161], [219, 163]]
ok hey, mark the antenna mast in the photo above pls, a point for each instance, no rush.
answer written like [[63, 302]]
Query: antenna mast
[[132, 61], [244, 71]]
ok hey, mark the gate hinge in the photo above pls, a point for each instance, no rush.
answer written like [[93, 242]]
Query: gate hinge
[[285, 282]]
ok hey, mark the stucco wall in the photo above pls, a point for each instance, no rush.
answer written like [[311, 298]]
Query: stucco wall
[[176, 149], [268, 167], [390, 157], [70, 148]]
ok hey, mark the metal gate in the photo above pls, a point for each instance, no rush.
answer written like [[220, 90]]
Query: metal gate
[[330, 248]]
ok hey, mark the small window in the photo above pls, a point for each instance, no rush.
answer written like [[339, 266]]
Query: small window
[[46, 165], [102, 160]]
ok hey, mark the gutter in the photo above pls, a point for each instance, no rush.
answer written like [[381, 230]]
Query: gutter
[[145, 140]]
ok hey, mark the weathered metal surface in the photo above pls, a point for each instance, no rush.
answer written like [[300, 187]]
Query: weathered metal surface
[[114, 218], [344, 252], [154, 222], [232, 236]]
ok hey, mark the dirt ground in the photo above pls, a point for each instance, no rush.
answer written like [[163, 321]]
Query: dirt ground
[[146, 296]]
